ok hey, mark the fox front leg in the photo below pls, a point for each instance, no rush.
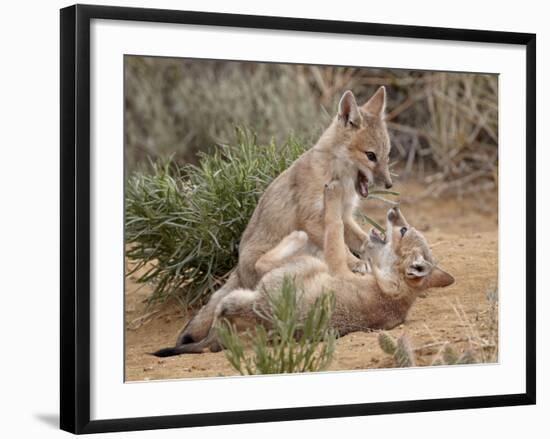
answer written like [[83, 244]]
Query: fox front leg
[[357, 240], [335, 250], [356, 237]]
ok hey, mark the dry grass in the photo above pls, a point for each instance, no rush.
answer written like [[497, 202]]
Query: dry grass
[[478, 334], [444, 126], [179, 107]]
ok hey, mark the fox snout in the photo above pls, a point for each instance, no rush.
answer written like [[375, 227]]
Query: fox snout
[[387, 178], [379, 177]]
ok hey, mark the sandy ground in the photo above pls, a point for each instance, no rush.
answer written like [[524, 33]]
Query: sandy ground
[[463, 234]]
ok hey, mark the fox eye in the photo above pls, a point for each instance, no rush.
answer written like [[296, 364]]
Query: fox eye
[[371, 156], [403, 231]]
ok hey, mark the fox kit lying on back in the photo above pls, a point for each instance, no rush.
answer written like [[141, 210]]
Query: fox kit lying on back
[[402, 263], [355, 148]]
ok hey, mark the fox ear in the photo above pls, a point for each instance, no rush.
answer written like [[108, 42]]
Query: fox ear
[[419, 268], [439, 278], [348, 111], [377, 103]]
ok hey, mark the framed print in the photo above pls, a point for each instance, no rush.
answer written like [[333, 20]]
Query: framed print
[[268, 218]]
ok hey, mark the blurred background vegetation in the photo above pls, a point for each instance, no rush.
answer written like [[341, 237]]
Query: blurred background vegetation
[[443, 126], [203, 139]]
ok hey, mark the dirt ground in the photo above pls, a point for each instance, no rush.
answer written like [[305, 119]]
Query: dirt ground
[[463, 233]]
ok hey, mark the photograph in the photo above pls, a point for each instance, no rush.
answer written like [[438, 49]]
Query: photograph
[[275, 219], [297, 218]]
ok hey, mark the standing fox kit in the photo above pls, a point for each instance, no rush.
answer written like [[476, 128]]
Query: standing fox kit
[[402, 263], [355, 149]]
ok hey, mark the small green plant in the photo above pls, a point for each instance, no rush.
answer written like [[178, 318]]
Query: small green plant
[[447, 355], [404, 355], [399, 349], [298, 339], [480, 333]]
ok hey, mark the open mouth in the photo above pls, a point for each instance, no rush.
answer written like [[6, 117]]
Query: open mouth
[[377, 237], [362, 184]]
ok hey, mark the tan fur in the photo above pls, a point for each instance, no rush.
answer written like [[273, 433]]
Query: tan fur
[[294, 200], [403, 267]]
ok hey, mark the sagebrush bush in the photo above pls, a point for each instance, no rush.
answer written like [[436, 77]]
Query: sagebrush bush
[[184, 223], [298, 339]]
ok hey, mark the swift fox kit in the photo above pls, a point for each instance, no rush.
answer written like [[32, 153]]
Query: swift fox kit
[[402, 263], [354, 148]]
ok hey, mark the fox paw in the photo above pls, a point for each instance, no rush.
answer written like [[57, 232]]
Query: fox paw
[[298, 236], [360, 267], [296, 240], [333, 190], [333, 199], [357, 265]]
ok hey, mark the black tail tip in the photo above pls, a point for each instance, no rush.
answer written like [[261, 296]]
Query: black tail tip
[[187, 339], [165, 352]]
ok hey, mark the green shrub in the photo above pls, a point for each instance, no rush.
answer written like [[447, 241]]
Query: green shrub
[[403, 355], [298, 340], [400, 349], [184, 223]]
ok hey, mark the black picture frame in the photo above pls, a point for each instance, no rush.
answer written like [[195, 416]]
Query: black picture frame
[[75, 217]]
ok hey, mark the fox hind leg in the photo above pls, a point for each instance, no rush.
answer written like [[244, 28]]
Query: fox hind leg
[[197, 328], [238, 304], [289, 246]]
